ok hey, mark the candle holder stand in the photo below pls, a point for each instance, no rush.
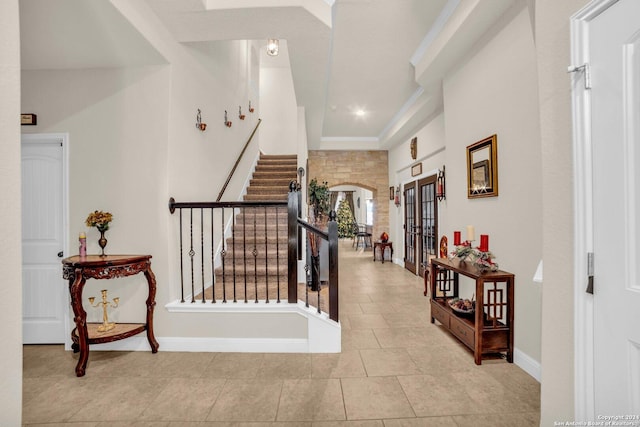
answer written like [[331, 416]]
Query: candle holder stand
[[106, 325]]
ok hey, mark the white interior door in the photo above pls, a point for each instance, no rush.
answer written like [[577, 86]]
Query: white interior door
[[44, 303], [614, 45]]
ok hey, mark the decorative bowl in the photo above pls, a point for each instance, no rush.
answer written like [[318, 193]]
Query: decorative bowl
[[462, 306]]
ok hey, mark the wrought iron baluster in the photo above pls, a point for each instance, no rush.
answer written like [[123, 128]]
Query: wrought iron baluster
[[306, 285], [191, 255], [278, 251], [233, 239], [223, 254], [213, 262], [202, 250], [181, 262], [319, 288], [255, 255], [266, 257], [244, 250]]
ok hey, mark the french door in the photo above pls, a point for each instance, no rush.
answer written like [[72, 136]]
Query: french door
[[420, 223], [428, 218], [411, 227]]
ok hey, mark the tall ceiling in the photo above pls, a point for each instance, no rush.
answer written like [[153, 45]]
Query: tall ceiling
[[368, 72]]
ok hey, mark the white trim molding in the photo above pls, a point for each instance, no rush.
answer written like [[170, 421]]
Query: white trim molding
[[527, 364], [584, 407]]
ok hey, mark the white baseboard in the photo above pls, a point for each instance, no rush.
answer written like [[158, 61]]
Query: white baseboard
[[528, 364]]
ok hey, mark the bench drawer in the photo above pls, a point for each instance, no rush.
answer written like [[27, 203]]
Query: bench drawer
[[440, 313], [462, 331]]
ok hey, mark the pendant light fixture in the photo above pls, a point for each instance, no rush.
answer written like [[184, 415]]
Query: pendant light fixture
[[272, 47]]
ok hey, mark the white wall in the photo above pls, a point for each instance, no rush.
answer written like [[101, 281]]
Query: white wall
[[495, 92], [134, 144], [432, 154], [279, 111], [116, 120], [10, 228]]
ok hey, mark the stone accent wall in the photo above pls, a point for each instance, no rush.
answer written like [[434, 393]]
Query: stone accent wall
[[366, 169]]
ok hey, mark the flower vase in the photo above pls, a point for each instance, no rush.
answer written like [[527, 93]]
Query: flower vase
[[102, 241]]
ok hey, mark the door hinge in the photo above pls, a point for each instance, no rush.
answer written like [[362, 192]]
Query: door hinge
[[589, 289], [585, 69]]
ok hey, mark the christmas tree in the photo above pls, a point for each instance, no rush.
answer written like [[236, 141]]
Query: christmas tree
[[345, 220]]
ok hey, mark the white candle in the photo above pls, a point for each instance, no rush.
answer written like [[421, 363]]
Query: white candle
[[470, 233]]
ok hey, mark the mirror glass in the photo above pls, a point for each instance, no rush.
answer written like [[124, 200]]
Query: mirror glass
[[482, 165]]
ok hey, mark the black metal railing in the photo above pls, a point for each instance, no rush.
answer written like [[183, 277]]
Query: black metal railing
[[248, 251]]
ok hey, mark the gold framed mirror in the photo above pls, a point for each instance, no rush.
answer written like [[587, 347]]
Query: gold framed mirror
[[482, 168]]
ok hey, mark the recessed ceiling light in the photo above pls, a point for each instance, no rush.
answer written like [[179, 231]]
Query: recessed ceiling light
[[360, 113]]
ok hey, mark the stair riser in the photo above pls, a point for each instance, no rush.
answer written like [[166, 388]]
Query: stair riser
[[272, 218], [267, 190], [260, 275], [247, 244], [282, 183], [275, 175], [265, 198], [262, 167], [270, 227]]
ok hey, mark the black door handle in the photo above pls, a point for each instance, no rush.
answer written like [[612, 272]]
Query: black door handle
[[60, 254]]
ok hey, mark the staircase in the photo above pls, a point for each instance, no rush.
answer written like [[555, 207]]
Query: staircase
[[272, 177], [256, 253]]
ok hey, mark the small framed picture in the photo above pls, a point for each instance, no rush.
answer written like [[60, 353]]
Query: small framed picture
[[416, 169], [28, 119], [391, 193]]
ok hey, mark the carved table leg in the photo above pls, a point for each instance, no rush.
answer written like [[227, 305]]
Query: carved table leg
[[80, 318], [151, 303]]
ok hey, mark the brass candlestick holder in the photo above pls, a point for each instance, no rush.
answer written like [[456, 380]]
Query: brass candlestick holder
[[106, 326]]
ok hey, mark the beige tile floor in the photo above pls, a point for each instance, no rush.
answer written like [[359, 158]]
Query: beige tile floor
[[396, 369]]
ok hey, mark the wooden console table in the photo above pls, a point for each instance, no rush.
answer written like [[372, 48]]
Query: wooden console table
[[490, 329], [383, 246], [77, 270]]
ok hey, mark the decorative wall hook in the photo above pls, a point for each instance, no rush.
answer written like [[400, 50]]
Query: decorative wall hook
[[227, 123], [199, 124], [251, 109], [240, 115]]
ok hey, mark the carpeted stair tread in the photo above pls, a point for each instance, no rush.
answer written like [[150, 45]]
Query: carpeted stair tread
[[265, 197], [260, 229]]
